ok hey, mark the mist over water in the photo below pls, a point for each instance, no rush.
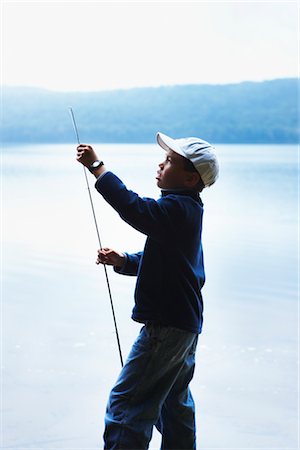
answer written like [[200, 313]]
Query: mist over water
[[60, 355]]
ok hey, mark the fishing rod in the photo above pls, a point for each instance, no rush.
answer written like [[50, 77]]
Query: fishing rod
[[99, 239]]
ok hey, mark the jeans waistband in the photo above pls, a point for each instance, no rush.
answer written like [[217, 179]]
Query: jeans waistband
[[155, 323]]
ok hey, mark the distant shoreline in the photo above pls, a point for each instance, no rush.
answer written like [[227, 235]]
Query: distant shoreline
[[8, 145], [243, 113]]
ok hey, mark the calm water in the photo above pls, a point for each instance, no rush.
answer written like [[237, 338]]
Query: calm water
[[59, 350]]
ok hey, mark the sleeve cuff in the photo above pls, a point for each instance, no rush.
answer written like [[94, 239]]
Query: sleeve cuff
[[100, 176]]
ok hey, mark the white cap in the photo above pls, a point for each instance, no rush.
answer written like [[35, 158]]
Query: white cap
[[199, 152]]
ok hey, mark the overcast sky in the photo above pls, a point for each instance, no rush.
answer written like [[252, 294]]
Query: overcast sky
[[106, 45]]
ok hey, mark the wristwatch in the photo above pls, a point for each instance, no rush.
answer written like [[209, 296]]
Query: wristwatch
[[95, 165]]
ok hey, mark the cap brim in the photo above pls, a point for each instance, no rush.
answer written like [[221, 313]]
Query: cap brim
[[168, 143]]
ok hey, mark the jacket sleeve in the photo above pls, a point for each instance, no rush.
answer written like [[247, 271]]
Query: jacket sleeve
[[131, 264], [155, 218]]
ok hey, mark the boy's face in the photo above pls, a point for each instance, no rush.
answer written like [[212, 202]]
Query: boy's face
[[173, 175]]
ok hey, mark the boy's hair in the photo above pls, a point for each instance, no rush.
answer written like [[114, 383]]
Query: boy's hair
[[189, 167]]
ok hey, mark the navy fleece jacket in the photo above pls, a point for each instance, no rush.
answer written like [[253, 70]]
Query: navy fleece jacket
[[170, 272]]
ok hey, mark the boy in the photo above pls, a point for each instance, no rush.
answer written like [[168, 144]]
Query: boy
[[153, 386]]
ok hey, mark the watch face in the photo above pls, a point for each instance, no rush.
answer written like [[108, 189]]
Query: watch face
[[95, 165]]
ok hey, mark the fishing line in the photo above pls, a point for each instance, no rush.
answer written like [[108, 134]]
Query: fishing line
[[99, 239]]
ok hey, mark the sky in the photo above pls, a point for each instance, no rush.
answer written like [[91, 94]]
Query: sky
[[89, 46]]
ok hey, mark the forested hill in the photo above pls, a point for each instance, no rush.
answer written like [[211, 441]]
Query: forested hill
[[248, 112]]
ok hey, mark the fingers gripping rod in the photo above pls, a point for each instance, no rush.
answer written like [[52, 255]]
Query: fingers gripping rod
[[99, 239]]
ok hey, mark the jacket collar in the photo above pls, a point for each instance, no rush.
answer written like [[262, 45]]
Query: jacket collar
[[186, 192]]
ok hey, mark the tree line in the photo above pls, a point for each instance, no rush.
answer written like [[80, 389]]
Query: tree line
[[247, 112]]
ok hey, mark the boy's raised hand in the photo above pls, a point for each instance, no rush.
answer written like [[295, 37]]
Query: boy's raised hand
[[86, 155], [110, 257]]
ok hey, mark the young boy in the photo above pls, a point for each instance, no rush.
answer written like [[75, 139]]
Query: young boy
[[153, 386]]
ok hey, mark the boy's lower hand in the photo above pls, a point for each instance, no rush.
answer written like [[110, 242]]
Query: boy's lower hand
[[86, 155], [110, 257]]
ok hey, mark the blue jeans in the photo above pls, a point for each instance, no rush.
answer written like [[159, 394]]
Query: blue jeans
[[153, 389]]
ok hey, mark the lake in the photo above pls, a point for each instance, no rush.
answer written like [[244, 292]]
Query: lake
[[59, 352]]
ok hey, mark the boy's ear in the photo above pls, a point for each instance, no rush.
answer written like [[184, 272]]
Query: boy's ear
[[192, 179]]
